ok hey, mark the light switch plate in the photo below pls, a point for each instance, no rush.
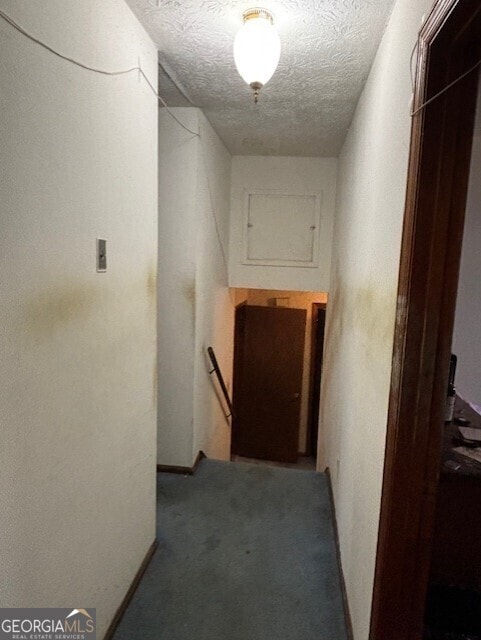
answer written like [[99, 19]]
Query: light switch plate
[[101, 255]]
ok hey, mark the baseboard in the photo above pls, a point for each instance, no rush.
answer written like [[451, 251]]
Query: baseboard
[[185, 471], [132, 589], [200, 456], [347, 613]]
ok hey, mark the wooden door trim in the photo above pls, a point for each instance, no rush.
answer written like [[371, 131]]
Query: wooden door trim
[[318, 306], [438, 173]]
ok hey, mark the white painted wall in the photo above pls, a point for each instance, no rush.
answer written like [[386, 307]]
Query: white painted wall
[[195, 310], [362, 302], [176, 301], [214, 306], [286, 175], [467, 335], [78, 153]]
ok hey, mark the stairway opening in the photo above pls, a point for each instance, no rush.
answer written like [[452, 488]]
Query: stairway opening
[[278, 349]]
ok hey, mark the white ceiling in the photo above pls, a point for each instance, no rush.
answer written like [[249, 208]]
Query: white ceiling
[[305, 110]]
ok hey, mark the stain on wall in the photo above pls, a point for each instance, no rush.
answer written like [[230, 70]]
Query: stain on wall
[[151, 284], [155, 382], [59, 306], [189, 292]]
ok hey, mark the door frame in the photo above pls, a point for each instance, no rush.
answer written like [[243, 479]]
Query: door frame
[[237, 364], [441, 141], [313, 426]]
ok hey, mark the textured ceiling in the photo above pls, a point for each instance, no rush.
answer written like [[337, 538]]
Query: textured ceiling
[[306, 108]]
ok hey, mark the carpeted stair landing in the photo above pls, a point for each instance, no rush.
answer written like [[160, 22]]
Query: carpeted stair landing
[[246, 552]]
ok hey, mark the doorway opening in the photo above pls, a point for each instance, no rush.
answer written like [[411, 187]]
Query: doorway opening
[[278, 347], [453, 602]]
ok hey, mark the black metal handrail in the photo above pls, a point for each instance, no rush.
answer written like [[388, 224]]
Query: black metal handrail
[[218, 373]]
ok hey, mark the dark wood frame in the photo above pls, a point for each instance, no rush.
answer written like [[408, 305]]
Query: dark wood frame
[[186, 471], [311, 448], [345, 601], [236, 371], [434, 219], [119, 614]]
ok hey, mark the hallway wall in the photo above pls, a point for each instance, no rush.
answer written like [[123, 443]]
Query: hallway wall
[[78, 153], [214, 305], [362, 302], [195, 310], [176, 286]]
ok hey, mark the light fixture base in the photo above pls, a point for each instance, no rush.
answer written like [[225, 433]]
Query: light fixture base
[[256, 88], [258, 12]]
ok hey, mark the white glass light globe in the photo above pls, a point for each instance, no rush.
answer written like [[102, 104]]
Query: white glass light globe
[[257, 49]]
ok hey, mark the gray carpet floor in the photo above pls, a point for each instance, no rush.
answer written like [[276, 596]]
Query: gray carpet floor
[[246, 552]]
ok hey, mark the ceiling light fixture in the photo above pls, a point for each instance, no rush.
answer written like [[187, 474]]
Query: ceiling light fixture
[[257, 49]]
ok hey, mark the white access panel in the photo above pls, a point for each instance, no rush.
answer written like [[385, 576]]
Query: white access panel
[[282, 229]]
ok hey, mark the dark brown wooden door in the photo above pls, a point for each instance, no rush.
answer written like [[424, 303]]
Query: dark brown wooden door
[[268, 363]]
